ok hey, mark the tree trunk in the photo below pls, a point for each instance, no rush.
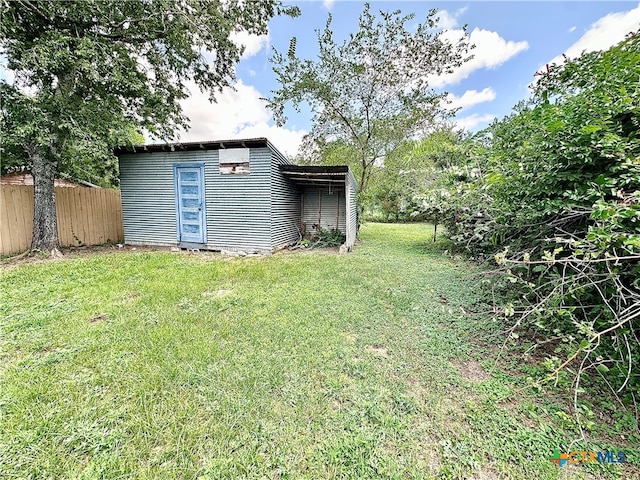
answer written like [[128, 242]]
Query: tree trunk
[[45, 224], [363, 180], [361, 190]]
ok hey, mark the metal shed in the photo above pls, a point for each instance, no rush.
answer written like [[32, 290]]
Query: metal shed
[[238, 195]]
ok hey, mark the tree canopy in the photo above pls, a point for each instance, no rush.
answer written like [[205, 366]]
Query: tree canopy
[[87, 71], [371, 92]]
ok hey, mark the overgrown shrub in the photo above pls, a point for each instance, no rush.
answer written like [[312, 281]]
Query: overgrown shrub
[[558, 198], [324, 238]]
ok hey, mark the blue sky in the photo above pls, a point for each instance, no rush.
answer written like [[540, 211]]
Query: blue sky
[[513, 40]]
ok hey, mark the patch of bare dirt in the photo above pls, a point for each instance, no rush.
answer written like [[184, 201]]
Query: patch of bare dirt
[[48, 349], [486, 473], [85, 251], [573, 472], [98, 318], [72, 252], [377, 351], [216, 293], [308, 251], [429, 459], [417, 389], [473, 371], [350, 337]]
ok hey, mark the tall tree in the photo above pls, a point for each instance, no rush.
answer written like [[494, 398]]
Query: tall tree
[[372, 91], [85, 70]]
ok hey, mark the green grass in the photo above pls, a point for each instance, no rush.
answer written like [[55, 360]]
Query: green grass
[[312, 365]]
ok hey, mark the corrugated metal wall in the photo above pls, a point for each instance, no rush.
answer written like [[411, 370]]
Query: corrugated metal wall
[[324, 207], [238, 207], [258, 211], [352, 215], [285, 205], [148, 201]]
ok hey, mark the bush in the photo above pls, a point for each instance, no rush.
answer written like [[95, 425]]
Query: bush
[[559, 199], [327, 238]]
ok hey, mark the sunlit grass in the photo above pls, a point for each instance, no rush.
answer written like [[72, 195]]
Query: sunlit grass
[[168, 365]]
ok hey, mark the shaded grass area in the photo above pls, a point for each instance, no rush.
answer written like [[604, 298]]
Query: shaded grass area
[[165, 365]]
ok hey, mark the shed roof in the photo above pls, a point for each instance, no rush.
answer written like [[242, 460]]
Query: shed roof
[[316, 174], [202, 145]]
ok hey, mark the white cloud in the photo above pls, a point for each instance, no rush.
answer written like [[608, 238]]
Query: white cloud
[[471, 98], [239, 113], [252, 43], [286, 140], [572, 29], [449, 20], [491, 51], [328, 4], [604, 33], [471, 121]]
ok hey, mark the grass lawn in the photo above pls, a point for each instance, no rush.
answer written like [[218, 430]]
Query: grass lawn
[[142, 364]]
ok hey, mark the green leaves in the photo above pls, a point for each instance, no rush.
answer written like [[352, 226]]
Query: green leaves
[[92, 64], [89, 73], [561, 184], [369, 93]]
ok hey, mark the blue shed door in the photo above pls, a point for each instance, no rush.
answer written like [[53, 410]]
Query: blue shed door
[[190, 203]]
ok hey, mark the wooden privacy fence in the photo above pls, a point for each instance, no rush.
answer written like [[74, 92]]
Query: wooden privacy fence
[[86, 216]]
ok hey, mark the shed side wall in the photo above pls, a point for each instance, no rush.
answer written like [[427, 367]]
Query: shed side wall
[[285, 205], [352, 212]]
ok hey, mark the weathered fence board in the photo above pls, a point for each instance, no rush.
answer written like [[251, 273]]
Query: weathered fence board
[[86, 216]]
